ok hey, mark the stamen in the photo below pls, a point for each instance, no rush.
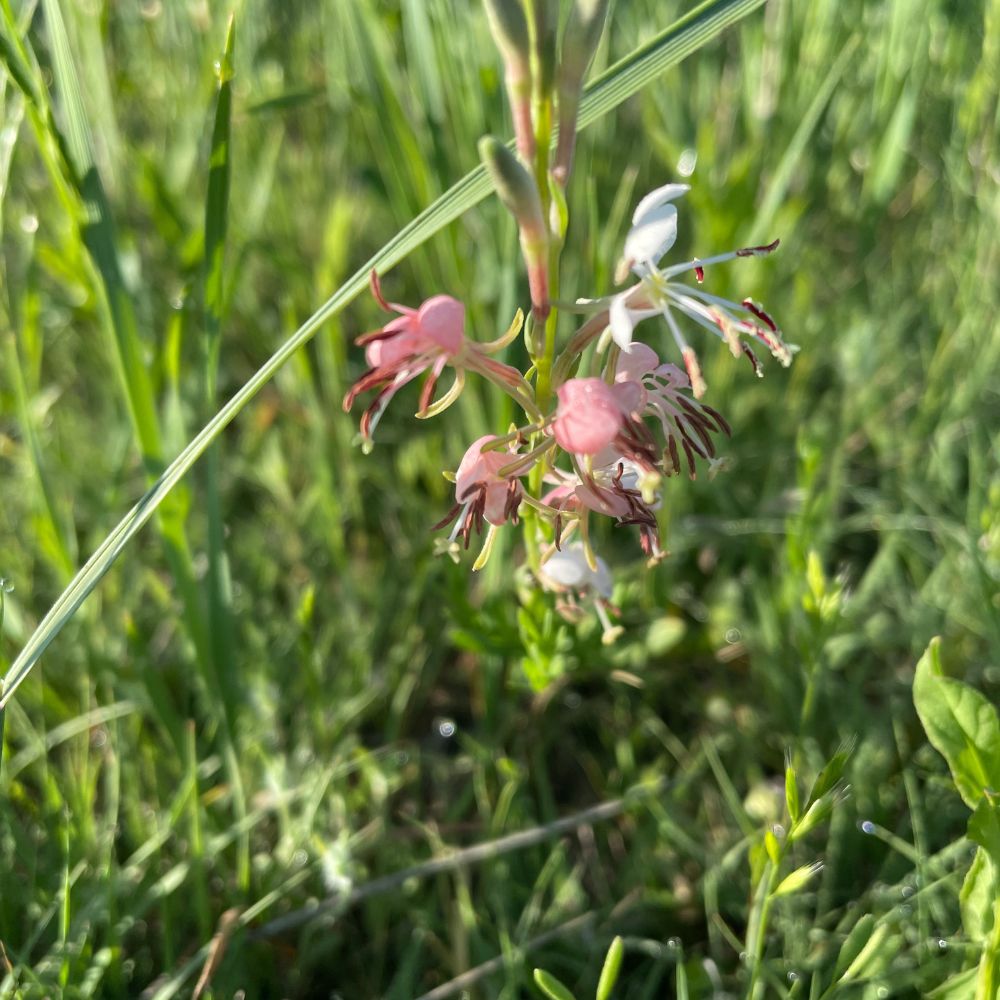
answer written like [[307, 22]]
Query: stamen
[[760, 314], [758, 251], [376, 287]]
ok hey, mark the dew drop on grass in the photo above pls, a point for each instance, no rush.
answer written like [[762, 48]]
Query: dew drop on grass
[[793, 976], [733, 636], [686, 162], [29, 223], [674, 943], [867, 826], [299, 858], [446, 728], [907, 891], [942, 944]]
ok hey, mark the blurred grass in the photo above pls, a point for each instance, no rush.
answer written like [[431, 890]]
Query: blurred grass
[[382, 714]]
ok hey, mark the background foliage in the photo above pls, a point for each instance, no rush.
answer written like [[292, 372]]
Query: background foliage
[[347, 706]]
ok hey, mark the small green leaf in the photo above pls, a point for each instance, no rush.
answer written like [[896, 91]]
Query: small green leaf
[[772, 846], [959, 987], [961, 725], [551, 986], [792, 793], [880, 948], [832, 772], [612, 966], [853, 944]]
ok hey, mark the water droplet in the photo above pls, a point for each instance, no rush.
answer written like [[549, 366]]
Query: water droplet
[[98, 738], [907, 891], [6, 586], [867, 826], [29, 223], [446, 728], [906, 909], [778, 830], [882, 991], [733, 636], [942, 944], [793, 976], [674, 943], [686, 162], [744, 956], [299, 858]]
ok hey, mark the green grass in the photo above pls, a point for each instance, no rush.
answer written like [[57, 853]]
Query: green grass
[[173, 757]]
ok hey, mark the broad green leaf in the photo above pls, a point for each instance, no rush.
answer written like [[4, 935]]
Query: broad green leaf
[[979, 890], [617, 84], [961, 725]]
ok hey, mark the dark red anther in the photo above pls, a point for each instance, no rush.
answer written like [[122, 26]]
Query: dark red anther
[[750, 305], [699, 273], [758, 251]]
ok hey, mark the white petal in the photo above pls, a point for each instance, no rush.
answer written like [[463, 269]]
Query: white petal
[[567, 568], [656, 198], [652, 237], [620, 320]]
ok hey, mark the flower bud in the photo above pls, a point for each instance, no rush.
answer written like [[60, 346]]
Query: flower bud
[[510, 32], [583, 32], [518, 191], [543, 28]]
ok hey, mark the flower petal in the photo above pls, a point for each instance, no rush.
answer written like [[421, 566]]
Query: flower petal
[[442, 320], [656, 198], [651, 237], [621, 322]]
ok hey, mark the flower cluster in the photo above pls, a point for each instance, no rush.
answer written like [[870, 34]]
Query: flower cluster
[[604, 428]]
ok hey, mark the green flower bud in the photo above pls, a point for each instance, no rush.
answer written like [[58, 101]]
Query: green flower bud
[[580, 39], [510, 31], [518, 191]]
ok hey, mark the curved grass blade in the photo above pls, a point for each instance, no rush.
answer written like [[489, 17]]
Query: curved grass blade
[[609, 90]]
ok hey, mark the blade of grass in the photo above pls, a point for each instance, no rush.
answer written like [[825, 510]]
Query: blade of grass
[[619, 83]]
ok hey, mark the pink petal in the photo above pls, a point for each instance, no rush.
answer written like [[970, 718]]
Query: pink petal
[[589, 416], [442, 320]]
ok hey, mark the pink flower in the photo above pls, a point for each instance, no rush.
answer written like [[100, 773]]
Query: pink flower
[[589, 416], [428, 339], [482, 491], [419, 339], [664, 394]]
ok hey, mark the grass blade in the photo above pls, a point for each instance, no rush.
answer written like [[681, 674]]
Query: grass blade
[[613, 87]]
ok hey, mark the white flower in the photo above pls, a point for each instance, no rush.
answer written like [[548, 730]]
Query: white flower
[[569, 570], [653, 233]]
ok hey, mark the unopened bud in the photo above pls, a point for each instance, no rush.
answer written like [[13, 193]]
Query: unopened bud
[[542, 29], [510, 32], [580, 39], [518, 191]]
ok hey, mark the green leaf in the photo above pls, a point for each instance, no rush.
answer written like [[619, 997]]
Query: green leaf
[[609, 90], [979, 890], [551, 986], [984, 827], [959, 987], [961, 725], [612, 966], [875, 955], [853, 943], [792, 793]]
